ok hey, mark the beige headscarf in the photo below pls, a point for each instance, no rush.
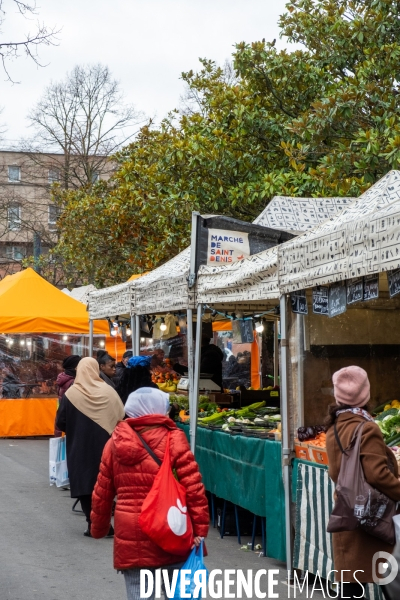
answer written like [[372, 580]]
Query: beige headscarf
[[93, 397]]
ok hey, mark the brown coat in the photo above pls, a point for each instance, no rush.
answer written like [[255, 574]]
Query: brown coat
[[353, 550]]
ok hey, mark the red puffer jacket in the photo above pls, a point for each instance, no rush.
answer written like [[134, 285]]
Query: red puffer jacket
[[128, 471]]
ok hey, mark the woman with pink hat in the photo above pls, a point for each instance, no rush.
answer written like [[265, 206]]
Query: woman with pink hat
[[353, 551]]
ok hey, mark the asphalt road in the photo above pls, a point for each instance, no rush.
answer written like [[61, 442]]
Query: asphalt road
[[43, 553]]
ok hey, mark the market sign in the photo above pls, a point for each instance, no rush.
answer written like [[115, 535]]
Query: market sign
[[221, 241], [227, 246]]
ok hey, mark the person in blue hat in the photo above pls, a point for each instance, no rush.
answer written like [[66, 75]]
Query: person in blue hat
[[136, 375]]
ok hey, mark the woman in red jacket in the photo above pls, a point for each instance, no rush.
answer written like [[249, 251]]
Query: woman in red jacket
[[128, 471]]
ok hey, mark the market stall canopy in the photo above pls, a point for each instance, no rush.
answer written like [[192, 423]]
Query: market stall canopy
[[363, 239], [297, 215], [80, 293], [113, 301], [30, 304], [165, 288], [255, 278]]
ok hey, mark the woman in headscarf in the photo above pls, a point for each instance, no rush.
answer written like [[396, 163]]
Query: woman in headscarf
[[88, 413], [128, 471], [65, 380], [136, 375]]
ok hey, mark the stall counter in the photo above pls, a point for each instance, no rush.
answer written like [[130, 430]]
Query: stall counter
[[247, 472]]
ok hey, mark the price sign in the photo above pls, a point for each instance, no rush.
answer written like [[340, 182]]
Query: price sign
[[320, 300], [299, 302], [337, 300], [371, 287], [394, 282], [355, 290]]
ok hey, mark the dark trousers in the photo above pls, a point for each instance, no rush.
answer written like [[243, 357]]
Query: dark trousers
[[352, 590], [86, 503]]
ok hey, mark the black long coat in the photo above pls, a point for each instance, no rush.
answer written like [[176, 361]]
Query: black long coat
[[85, 443]]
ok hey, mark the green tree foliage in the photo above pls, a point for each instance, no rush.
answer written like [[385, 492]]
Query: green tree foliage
[[321, 120]]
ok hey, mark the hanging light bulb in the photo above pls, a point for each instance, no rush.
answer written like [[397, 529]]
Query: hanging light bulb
[[101, 343], [65, 338], [10, 341], [163, 326], [29, 342], [142, 340], [259, 327], [22, 342], [128, 331]]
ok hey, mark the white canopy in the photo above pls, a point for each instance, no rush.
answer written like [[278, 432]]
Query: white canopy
[[256, 278], [165, 288], [80, 293], [112, 301], [363, 239], [299, 214]]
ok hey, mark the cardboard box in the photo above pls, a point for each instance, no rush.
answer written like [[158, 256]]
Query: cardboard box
[[319, 455], [302, 451]]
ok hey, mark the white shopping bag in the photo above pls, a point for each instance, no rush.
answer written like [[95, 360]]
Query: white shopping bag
[[58, 469]]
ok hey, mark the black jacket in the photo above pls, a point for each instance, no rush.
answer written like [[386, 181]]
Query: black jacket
[[85, 442], [211, 362], [11, 387], [119, 371]]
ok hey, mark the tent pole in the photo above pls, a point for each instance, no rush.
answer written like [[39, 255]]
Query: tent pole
[[189, 321], [286, 452], [90, 337], [136, 347], [196, 378], [133, 332], [276, 352]]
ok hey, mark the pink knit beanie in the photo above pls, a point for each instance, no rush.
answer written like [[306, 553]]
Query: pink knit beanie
[[351, 386]]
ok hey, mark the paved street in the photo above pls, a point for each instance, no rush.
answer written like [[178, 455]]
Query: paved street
[[44, 555]]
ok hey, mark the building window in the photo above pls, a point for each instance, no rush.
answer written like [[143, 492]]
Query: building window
[[95, 176], [14, 216], [54, 213], [15, 252], [14, 174], [54, 175]]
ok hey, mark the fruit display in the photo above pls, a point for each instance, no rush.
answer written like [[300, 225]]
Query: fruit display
[[311, 444], [309, 433], [167, 382]]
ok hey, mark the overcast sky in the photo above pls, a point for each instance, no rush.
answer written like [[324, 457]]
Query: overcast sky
[[146, 44]]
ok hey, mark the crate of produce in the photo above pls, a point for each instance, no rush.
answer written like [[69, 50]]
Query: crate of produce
[[319, 455], [302, 451]]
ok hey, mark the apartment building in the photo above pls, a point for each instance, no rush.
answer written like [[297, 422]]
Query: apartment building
[[28, 217]]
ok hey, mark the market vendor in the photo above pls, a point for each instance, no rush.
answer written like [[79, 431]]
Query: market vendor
[[121, 365], [211, 360]]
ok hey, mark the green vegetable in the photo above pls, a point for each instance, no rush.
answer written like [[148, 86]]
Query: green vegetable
[[386, 413], [394, 440]]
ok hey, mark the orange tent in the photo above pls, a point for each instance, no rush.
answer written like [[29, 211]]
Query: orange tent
[[30, 304]]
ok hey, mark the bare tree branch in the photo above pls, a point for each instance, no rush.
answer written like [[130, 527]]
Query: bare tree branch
[[28, 43], [85, 119]]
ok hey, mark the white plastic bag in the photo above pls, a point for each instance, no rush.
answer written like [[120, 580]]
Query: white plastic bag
[[58, 469]]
